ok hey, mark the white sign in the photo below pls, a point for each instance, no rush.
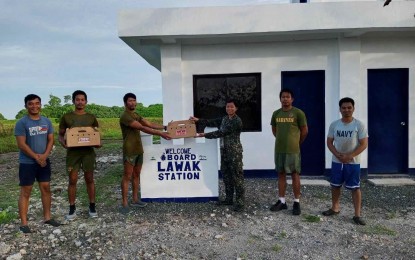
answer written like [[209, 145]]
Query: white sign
[[180, 171]]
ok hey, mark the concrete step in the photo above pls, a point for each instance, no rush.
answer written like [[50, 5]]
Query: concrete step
[[391, 181], [382, 181]]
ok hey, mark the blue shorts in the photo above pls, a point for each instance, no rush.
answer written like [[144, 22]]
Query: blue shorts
[[347, 174], [28, 173]]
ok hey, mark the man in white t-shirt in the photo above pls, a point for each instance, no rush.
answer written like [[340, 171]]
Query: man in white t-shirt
[[347, 139]]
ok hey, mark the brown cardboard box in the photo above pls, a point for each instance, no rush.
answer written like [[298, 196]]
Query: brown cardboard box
[[181, 129], [82, 136]]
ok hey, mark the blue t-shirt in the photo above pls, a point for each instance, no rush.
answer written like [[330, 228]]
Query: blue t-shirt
[[36, 132]]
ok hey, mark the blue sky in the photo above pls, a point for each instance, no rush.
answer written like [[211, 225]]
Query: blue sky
[[58, 46]]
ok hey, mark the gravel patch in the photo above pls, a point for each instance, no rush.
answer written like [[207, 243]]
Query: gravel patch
[[208, 231]]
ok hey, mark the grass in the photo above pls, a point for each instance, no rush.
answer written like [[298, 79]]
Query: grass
[[7, 139], [7, 216], [323, 196], [111, 145], [276, 248], [311, 218], [379, 230], [111, 179], [391, 215], [253, 238], [282, 235], [104, 184], [9, 191], [104, 187]]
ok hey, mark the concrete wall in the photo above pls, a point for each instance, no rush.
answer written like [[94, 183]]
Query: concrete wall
[[344, 38], [344, 60]]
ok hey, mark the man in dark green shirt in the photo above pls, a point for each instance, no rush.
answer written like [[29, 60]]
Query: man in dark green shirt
[[78, 158], [289, 126], [131, 124]]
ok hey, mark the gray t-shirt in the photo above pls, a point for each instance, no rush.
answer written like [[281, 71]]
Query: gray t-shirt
[[36, 132], [346, 137]]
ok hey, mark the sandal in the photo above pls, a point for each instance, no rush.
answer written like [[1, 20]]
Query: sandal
[[25, 229], [359, 221], [52, 222], [330, 212]]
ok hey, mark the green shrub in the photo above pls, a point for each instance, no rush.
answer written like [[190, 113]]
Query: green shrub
[[7, 216], [109, 128]]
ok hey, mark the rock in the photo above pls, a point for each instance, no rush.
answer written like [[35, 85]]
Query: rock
[[82, 226], [57, 231], [17, 256], [57, 189], [4, 248]]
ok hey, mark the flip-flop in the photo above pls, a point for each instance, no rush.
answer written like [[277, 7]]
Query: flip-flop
[[52, 222], [330, 212], [359, 221]]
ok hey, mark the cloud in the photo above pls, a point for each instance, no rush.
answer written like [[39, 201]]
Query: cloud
[[14, 51]]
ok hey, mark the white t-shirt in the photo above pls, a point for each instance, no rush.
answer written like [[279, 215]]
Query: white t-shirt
[[346, 137]]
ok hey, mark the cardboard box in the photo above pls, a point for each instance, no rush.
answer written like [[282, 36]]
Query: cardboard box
[[82, 136], [181, 129]]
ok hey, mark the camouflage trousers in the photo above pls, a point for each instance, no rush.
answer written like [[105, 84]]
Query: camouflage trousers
[[233, 177]]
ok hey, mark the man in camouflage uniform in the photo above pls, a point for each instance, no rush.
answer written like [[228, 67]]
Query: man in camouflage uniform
[[229, 131]]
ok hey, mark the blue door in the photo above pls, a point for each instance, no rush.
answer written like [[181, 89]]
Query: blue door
[[388, 120], [308, 88]]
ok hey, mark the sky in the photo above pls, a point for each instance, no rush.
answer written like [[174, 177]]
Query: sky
[[54, 47]]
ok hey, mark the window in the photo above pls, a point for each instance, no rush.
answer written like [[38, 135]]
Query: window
[[210, 93]]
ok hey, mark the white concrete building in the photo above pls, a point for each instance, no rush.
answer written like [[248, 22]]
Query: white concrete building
[[322, 50]]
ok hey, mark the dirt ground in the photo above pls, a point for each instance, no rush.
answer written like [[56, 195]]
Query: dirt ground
[[206, 231]]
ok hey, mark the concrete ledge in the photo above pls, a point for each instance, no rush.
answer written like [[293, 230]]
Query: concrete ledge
[[391, 181], [312, 182]]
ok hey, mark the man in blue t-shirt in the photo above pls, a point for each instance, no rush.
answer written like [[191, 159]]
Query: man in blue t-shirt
[[346, 140], [34, 136]]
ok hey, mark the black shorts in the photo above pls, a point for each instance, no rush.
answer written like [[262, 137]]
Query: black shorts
[[28, 173]]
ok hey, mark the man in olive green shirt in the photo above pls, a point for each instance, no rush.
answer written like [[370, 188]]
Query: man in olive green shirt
[[289, 126], [131, 124], [78, 158]]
